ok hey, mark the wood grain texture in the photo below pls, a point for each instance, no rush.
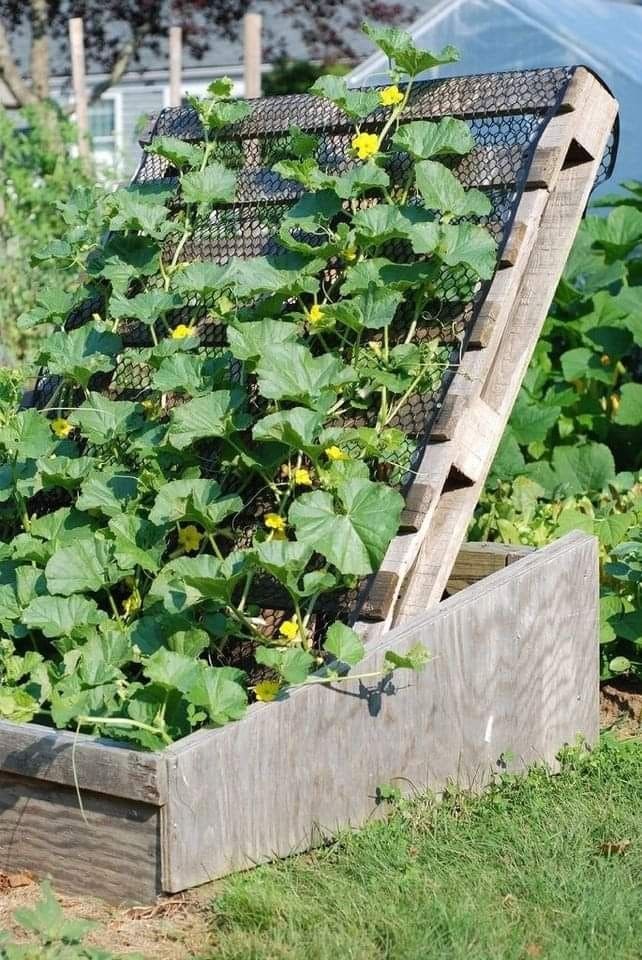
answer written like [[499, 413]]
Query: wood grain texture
[[509, 361], [115, 854], [461, 431], [515, 672], [478, 560], [102, 766]]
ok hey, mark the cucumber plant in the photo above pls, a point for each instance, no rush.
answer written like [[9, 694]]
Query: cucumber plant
[[138, 525]]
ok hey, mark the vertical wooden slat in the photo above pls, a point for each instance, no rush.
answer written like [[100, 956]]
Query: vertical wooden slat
[[252, 54], [79, 83], [175, 66]]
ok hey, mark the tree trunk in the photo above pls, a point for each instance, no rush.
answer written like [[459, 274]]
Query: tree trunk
[[10, 73]]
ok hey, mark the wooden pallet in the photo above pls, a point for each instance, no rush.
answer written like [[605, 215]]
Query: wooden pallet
[[466, 434]]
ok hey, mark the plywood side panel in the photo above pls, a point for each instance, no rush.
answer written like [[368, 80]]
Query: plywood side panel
[[515, 673]]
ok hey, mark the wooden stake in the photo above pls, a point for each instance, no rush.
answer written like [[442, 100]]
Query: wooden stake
[[77, 43], [175, 66], [252, 54]]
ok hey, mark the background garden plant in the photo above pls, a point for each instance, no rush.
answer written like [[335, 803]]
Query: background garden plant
[[140, 527], [572, 453], [35, 178]]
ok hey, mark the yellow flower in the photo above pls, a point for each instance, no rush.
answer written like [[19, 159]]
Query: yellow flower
[[289, 629], [132, 603], [390, 96], [302, 477], [61, 427], [189, 538], [350, 254], [151, 408], [605, 360], [182, 331], [365, 145], [267, 690], [336, 453], [274, 522], [615, 402], [315, 314]]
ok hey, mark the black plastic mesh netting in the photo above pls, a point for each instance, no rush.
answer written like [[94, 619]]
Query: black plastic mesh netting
[[506, 114]]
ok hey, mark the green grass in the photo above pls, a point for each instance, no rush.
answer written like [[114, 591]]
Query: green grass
[[520, 872]]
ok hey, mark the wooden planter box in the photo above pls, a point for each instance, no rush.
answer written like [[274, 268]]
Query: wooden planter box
[[515, 669], [514, 678]]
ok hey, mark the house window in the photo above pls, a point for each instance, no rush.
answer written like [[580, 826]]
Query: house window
[[102, 129], [102, 122]]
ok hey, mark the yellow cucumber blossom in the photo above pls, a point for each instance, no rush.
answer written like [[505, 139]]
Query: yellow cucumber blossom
[[302, 477], [390, 96], [350, 254], [274, 522], [132, 603], [365, 145], [182, 331], [615, 402], [315, 314], [289, 629], [151, 408], [336, 453], [61, 427], [189, 538], [605, 360], [267, 690]]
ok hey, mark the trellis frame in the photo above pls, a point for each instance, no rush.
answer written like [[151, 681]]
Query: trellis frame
[[465, 436], [515, 669]]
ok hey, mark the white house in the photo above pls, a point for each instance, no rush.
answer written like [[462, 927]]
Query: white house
[[117, 118]]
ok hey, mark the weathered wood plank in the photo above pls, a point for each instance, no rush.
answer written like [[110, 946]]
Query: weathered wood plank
[[115, 854], [461, 449], [478, 560], [510, 361], [482, 331], [515, 672], [102, 766]]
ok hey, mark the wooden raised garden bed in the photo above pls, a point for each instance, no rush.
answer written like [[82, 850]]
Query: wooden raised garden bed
[[514, 677], [515, 667]]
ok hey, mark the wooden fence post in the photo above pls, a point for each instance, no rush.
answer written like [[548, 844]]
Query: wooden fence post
[[175, 66], [77, 43], [252, 54]]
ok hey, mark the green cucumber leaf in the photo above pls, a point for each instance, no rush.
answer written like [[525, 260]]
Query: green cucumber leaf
[[62, 616], [425, 139], [353, 534], [344, 644]]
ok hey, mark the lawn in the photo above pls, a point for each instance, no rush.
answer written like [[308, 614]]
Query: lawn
[[547, 866], [544, 866]]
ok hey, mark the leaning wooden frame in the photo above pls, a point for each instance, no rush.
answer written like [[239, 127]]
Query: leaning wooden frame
[[514, 674]]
